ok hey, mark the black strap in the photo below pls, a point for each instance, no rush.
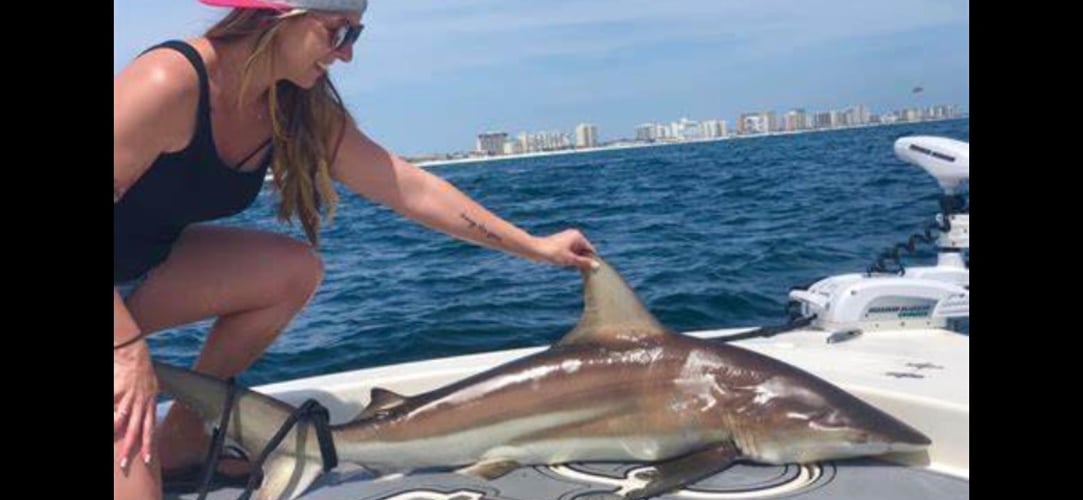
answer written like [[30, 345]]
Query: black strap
[[210, 464], [190, 53], [203, 115], [203, 112], [769, 331], [130, 341], [241, 163], [311, 410]]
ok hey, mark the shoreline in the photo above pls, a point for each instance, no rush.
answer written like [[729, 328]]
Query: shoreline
[[636, 145]]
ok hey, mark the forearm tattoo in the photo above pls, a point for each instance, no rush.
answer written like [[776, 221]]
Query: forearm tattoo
[[480, 227]]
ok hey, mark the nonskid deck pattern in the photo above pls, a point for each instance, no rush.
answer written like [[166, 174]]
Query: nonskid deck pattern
[[851, 479]]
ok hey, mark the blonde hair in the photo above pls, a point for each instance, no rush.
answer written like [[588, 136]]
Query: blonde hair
[[302, 122]]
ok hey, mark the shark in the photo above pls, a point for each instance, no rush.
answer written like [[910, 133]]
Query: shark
[[619, 386]]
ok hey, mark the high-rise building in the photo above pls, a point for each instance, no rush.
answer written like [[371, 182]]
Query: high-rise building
[[662, 132], [586, 136], [770, 120], [645, 132], [863, 115], [686, 130], [752, 123], [491, 143], [544, 141], [795, 120], [824, 119], [846, 117], [853, 116], [512, 147], [713, 129]]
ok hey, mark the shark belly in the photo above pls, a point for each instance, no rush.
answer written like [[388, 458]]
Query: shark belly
[[462, 446], [532, 441]]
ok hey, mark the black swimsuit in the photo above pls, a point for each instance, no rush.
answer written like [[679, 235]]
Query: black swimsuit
[[181, 188]]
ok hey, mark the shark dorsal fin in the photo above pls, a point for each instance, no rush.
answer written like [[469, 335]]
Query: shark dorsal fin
[[381, 399], [612, 313]]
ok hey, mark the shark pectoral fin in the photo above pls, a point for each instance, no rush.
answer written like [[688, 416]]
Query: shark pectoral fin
[[285, 476], [685, 470], [490, 469], [381, 399]]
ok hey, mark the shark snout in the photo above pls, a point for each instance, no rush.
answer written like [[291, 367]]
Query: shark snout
[[906, 438], [866, 431], [881, 429], [890, 436]]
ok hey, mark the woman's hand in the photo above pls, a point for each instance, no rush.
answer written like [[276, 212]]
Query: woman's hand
[[566, 248], [134, 407]]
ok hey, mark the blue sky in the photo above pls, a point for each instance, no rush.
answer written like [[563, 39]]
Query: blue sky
[[428, 75]]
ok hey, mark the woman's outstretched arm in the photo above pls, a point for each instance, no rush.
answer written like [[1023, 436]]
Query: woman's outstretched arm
[[375, 173]]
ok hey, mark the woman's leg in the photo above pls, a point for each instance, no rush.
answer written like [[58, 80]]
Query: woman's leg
[[137, 482], [254, 282]]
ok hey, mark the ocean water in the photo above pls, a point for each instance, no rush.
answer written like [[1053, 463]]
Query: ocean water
[[710, 235]]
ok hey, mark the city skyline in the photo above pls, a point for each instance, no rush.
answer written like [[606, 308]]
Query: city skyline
[[428, 75], [911, 117], [502, 143]]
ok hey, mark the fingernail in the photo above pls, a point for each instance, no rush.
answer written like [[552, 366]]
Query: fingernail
[[146, 459], [594, 264], [124, 463]]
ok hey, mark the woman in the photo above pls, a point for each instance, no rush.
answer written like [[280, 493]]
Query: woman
[[196, 126]]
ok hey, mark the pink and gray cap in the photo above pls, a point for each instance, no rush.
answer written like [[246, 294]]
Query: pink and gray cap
[[285, 5]]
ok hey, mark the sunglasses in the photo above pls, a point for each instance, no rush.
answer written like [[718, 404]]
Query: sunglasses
[[346, 35]]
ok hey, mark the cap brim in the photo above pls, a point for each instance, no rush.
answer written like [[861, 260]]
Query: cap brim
[[247, 4]]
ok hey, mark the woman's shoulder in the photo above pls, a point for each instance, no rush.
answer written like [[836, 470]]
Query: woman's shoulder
[[160, 90], [160, 74]]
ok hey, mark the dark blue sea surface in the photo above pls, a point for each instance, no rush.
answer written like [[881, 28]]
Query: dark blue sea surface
[[711, 235]]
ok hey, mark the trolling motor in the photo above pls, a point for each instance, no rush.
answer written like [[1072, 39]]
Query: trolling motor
[[889, 296]]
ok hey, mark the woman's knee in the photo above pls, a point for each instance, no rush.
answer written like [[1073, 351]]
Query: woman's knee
[[304, 268]]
